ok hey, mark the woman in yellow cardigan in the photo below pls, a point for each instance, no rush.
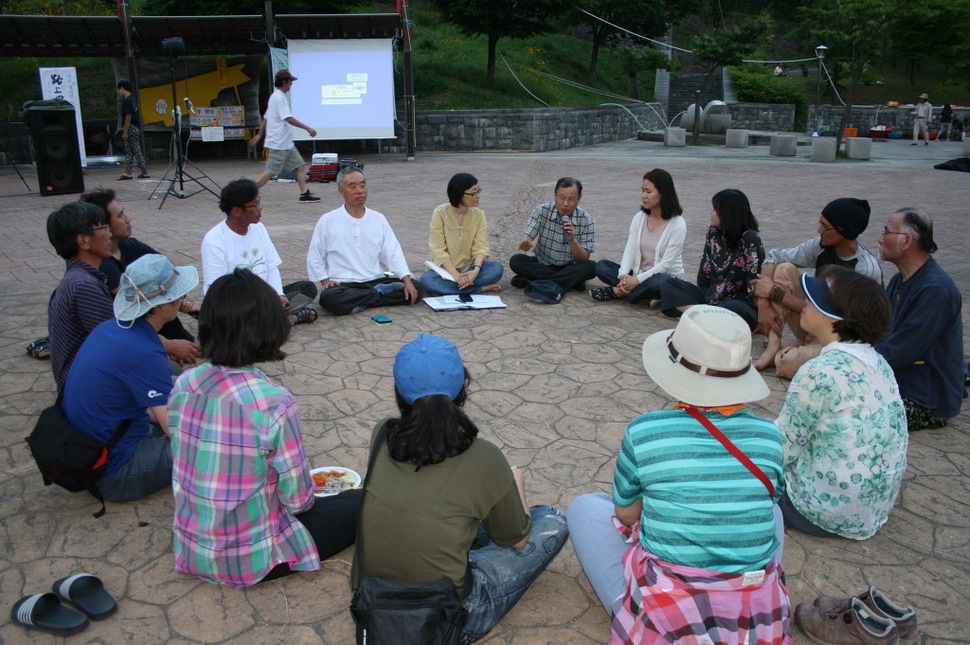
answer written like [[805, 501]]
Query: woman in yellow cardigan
[[459, 243]]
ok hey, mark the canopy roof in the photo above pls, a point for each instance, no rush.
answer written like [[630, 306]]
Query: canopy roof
[[64, 36]]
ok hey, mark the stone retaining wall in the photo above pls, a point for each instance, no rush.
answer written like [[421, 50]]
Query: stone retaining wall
[[865, 117]]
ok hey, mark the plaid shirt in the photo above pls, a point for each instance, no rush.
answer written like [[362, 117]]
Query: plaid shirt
[[239, 475], [669, 603], [545, 227]]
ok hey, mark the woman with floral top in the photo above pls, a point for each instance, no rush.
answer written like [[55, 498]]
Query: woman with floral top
[[843, 423], [732, 259]]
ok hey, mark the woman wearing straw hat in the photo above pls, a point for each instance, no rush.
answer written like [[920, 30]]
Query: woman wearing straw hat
[[121, 372], [843, 422], [705, 560]]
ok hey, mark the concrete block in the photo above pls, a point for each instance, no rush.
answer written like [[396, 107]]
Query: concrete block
[[966, 147], [675, 138], [783, 145], [737, 138], [823, 149], [859, 148]]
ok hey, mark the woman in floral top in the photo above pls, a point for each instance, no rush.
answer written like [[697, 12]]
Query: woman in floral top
[[732, 259], [843, 423]]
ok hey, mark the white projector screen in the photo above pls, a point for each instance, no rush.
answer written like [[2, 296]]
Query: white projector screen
[[345, 88]]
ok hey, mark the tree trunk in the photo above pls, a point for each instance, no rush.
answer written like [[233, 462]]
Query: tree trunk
[[490, 69], [593, 60]]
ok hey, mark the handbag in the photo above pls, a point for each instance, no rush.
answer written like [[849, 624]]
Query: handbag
[[69, 458], [390, 613], [734, 450]]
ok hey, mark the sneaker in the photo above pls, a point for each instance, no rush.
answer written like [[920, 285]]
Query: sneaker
[[602, 294], [388, 287], [519, 282], [655, 303], [858, 625], [308, 198], [877, 601]]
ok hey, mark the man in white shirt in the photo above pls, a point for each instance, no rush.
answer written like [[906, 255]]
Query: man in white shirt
[[242, 241], [350, 250], [921, 121], [283, 155]]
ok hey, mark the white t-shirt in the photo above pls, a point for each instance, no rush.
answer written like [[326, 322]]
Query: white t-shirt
[[350, 249], [279, 133], [224, 250]]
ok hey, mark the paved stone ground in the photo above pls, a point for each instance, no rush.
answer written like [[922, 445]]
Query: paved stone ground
[[554, 386]]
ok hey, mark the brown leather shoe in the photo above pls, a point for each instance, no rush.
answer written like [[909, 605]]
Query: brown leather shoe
[[858, 625], [879, 602]]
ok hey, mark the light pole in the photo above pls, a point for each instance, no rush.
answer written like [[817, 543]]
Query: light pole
[[819, 55]]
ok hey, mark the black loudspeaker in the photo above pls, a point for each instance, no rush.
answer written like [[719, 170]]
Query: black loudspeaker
[[54, 133]]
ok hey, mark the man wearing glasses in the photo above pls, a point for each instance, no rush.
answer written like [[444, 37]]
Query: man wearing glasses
[[80, 234], [925, 342], [778, 289], [560, 234], [241, 241]]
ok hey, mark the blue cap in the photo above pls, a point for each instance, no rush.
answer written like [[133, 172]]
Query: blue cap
[[819, 291], [428, 365]]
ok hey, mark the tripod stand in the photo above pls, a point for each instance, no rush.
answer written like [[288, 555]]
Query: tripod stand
[[176, 173], [3, 151]]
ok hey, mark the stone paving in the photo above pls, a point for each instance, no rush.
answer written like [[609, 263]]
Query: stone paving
[[554, 387]]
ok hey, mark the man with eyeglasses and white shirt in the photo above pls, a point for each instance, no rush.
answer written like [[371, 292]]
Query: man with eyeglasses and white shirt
[[925, 342], [778, 289], [561, 236], [241, 241]]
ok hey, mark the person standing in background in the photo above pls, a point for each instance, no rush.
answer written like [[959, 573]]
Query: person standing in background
[[131, 132]]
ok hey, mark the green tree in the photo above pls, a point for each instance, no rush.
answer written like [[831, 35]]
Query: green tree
[[497, 19], [59, 7], [635, 60], [645, 17], [726, 47], [930, 30], [854, 32]]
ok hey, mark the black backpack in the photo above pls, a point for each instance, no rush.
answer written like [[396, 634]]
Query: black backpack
[[68, 457]]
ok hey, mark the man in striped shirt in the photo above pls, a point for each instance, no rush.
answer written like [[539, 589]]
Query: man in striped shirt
[[80, 234]]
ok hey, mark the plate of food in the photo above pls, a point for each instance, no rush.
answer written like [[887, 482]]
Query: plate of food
[[330, 480]]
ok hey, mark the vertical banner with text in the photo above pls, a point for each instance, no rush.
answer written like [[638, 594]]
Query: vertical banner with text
[[61, 82]]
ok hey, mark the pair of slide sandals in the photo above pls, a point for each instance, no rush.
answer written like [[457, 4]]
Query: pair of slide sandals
[[44, 611]]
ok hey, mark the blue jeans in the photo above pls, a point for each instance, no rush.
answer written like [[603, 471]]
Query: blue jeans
[[500, 575], [148, 470], [608, 271], [490, 273]]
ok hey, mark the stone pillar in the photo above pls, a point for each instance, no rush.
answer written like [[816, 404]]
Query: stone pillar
[[736, 138], [859, 148], [675, 137], [823, 149], [783, 145]]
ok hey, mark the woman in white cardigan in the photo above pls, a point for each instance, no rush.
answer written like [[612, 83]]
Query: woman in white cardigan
[[654, 248]]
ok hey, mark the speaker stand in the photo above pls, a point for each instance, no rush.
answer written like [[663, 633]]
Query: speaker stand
[[3, 151], [177, 173]]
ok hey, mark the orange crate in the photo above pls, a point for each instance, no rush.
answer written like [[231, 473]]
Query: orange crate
[[850, 132]]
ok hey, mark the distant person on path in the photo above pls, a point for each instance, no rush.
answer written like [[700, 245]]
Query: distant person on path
[[778, 289], [283, 155], [843, 423], [561, 236], [803, 70], [131, 132], [921, 120], [459, 243], [946, 122], [925, 342], [242, 241], [351, 248], [654, 246], [731, 261], [80, 234]]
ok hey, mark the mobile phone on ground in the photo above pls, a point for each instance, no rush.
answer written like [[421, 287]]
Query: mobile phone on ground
[[380, 320], [465, 297]]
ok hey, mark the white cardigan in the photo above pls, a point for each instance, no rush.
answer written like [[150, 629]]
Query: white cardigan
[[668, 256]]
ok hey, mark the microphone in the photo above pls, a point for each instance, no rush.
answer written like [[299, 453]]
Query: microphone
[[188, 105], [565, 233]]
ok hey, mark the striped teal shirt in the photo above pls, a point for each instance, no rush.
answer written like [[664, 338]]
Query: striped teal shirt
[[701, 506]]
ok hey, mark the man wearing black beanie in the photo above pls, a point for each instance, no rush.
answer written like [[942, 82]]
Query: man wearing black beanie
[[778, 289]]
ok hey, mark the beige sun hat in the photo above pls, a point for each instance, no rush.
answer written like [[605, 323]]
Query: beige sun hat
[[706, 360]]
